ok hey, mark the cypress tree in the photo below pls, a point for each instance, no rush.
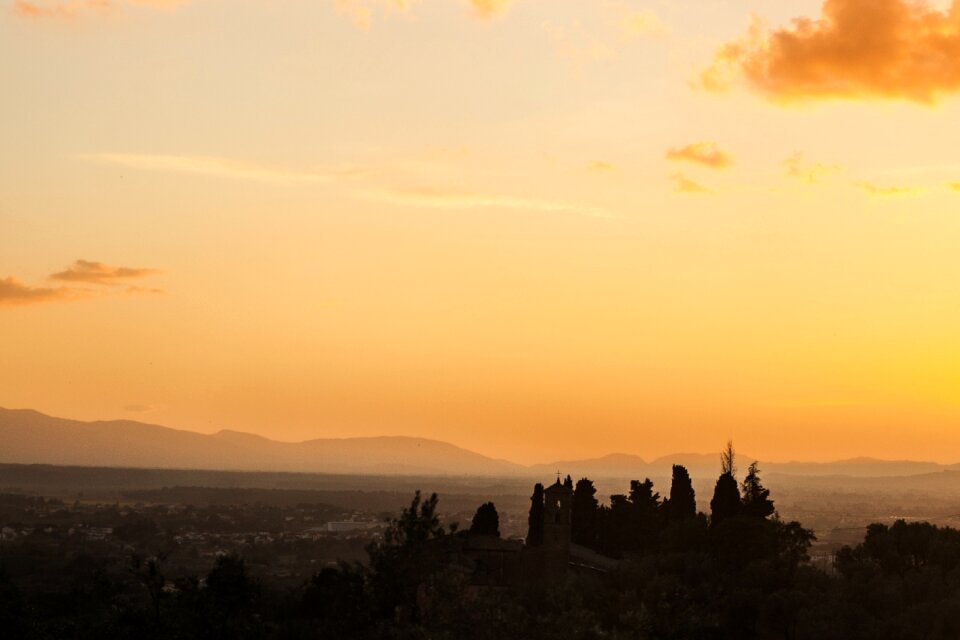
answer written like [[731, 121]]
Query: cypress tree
[[535, 519], [726, 499], [682, 503]]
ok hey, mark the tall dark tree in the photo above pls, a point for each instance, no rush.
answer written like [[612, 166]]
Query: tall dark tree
[[756, 498], [728, 460], [535, 519], [486, 521], [682, 503], [726, 499], [414, 547], [568, 482], [583, 513]]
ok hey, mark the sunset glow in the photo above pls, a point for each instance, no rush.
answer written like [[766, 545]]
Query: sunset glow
[[501, 224]]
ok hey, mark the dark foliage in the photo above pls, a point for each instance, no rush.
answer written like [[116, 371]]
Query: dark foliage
[[682, 503], [486, 521], [535, 519], [726, 499]]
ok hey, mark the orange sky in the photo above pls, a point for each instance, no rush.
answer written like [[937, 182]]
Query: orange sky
[[538, 229]]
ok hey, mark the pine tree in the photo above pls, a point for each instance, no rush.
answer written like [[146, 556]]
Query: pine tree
[[756, 498]]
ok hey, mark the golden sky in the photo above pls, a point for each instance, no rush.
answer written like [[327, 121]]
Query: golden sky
[[538, 229]]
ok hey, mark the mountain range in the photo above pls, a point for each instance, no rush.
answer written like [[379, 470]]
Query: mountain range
[[30, 437]]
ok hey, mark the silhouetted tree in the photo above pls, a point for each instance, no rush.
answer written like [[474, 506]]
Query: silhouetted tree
[[756, 498], [682, 503], [726, 499], [414, 547], [568, 482], [583, 513], [229, 594], [486, 520], [728, 463], [535, 519]]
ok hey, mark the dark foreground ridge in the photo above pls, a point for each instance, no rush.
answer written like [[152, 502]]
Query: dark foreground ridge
[[641, 566]]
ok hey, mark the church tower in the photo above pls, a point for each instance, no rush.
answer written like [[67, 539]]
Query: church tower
[[557, 503]]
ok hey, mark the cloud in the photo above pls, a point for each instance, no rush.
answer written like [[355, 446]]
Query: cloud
[[441, 199], [954, 186], [81, 272], [636, 23], [99, 273], [705, 153], [601, 166], [139, 408], [13, 293], [490, 8], [683, 184], [887, 192], [856, 49], [210, 166], [361, 12], [808, 172], [74, 8]]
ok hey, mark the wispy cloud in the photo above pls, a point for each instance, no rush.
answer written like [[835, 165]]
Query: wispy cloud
[[601, 166], [99, 273], [16, 293], [810, 172], [441, 199], [211, 166], [139, 408], [888, 191], [490, 8], [684, 184], [362, 12], [68, 9], [99, 279], [856, 49], [707, 154]]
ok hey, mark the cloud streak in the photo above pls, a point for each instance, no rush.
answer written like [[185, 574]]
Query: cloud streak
[[16, 293], [810, 172], [68, 9], [684, 184], [210, 166], [707, 154], [97, 276], [856, 49], [99, 273], [888, 192], [440, 199]]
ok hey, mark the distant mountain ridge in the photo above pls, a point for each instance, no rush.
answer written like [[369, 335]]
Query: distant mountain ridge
[[30, 437]]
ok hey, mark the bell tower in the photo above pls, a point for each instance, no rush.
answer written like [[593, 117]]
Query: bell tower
[[556, 515]]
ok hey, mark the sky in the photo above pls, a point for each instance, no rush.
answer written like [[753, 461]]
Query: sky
[[538, 229]]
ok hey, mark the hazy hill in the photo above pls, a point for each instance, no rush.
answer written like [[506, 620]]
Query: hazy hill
[[30, 437]]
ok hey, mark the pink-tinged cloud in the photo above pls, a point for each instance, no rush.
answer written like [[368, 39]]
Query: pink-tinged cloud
[[704, 153], [98, 273], [15, 293], [683, 184], [75, 8], [856, 49]]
